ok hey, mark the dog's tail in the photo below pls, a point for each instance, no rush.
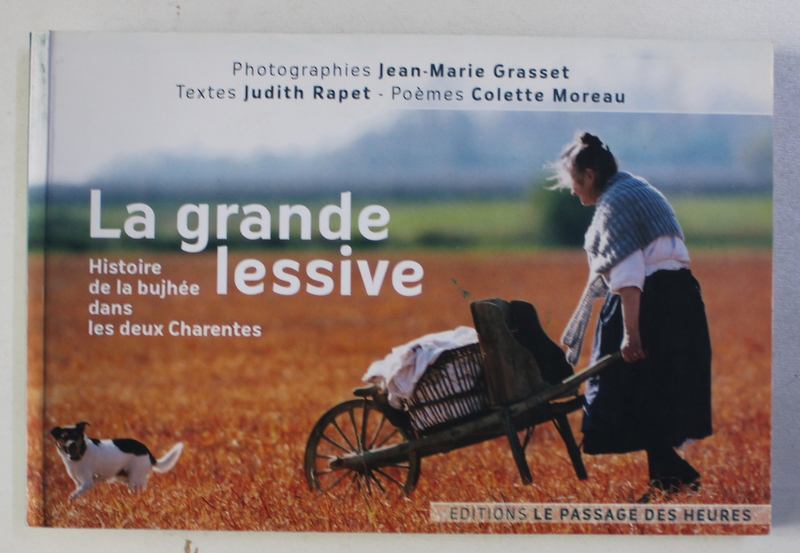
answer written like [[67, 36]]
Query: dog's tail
[[168, 461]]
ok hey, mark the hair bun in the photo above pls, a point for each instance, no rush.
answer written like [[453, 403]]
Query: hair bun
[[591, 140]]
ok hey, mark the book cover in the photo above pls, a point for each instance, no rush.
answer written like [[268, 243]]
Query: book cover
[[319, 283]]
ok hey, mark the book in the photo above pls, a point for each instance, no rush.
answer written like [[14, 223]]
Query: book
[[229, 233]]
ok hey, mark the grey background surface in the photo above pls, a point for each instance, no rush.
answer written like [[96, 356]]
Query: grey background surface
[[776, 21]]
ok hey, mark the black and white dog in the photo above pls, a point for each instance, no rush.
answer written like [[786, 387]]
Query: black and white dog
[[89, 460]]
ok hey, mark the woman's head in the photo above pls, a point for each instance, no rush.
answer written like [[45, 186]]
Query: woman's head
[[584, 167]]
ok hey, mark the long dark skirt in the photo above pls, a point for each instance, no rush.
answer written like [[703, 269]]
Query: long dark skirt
[[665, 398]]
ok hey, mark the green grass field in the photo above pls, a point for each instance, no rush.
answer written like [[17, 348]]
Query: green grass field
[[726, 220]]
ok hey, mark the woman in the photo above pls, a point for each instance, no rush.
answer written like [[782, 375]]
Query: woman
[[653, 314]]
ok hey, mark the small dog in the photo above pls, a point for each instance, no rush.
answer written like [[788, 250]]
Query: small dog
[[89, 460]]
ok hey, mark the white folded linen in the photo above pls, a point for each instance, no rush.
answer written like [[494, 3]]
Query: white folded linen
[[400, 371]]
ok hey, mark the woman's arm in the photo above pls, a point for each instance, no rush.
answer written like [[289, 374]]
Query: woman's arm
[[631, 342]]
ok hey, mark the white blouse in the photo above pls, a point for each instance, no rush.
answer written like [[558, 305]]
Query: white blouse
[[664, 253]]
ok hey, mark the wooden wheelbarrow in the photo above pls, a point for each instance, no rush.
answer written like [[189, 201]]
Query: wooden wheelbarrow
[[515, 378]]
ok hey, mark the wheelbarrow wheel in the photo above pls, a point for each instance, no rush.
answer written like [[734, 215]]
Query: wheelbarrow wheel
[[356, 426]]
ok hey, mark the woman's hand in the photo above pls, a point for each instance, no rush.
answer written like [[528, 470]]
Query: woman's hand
[[631, 347]]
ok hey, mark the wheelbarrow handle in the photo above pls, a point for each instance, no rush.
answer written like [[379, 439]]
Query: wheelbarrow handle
[[578, 378], [566, 386]]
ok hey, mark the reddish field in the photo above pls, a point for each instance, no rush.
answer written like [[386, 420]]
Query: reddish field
[[244, 407]]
